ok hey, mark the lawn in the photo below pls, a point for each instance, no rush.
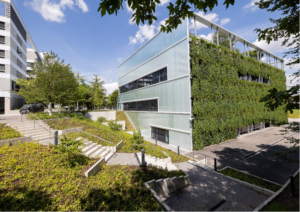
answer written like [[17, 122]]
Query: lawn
[[284, 201], [120, 115], [7, 132], [104, 132], [37, 177], [250, 179], [295, 114]]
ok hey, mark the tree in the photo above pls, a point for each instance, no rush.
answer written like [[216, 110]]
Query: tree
[[98, 92], [287, 28], [253, 53], [84, 90], [113, 99], [50, 81], [144, 10]]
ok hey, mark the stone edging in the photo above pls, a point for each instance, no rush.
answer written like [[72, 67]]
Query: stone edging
[[95, 168], [167, 186], [15, 140], [275, 194], [265, 191]]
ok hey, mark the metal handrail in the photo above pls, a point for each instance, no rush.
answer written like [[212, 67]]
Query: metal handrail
[[96, 136], [40, 124], [203, 155]]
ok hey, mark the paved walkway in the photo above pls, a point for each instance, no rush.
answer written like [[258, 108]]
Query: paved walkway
[[123, 159], [262, 164], [12, 118], [207, 189]]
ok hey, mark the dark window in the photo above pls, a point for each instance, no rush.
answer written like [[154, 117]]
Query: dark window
[[242, 77], [17, 22], [151, 79], [2, 68], [160, 134], [148, 105], [254, 79], [13, 85], [2, 25], [265, 80], [2, 54], [2, 39]]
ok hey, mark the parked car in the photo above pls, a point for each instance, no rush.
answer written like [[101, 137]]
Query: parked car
[[32, 108]]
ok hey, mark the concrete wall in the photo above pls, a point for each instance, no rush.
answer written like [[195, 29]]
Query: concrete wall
[[108, 115], [15, 141], [119, 122]]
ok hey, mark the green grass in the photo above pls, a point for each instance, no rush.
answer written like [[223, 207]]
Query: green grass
[[35, 177], [250, 179], [55, 115], [102, 131], [7, 132], [120, 115], [295, 114]]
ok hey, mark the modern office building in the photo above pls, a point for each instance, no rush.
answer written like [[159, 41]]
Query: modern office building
[[155, 83], [13, 55]]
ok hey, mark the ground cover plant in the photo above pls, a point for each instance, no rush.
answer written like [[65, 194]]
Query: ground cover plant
[[250, 179], [7, 132], [37, 177], [223, 102], [104, 132], [120, 115], [55, 115], [295, 114], [284, 201]]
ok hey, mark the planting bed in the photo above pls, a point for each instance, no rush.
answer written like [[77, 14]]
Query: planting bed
[[55, 115], [7, 133], [37, 177], [115, 137], [295, 114], [284, 201], [120, 115], [250, 179]]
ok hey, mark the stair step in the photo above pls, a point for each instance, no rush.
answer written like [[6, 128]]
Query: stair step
[[36, 133], [98, 152], [108, 156], [93, 150], [103, 154], [87, 148]]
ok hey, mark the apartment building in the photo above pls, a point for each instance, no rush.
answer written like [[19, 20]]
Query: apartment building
[[155, 82], [13, 55]]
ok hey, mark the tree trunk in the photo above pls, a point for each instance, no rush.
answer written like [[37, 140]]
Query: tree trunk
[[69, 107], [77, 106], [50, 109]]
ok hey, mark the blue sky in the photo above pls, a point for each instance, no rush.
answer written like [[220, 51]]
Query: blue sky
[[97, 45]]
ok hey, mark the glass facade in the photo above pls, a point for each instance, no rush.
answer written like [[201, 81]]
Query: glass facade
[[160, 134], [151, 79], [148, 105]]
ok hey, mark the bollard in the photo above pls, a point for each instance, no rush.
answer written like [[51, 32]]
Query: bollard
[[56, 138], [292, 185], [177, 155], [155, 148], [143, 158], [215, 164]]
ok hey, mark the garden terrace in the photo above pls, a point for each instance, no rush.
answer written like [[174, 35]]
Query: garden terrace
[[37, 177], [7, 133], [222, 102], [104, 132]]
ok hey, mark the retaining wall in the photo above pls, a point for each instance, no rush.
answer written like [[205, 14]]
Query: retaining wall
[[15, 141], [95, 168], [71, 130], [108, 115]]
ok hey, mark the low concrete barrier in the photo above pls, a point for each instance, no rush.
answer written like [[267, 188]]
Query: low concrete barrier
[[71, 130], [15, 141], [118, 122], [108, 115], [95, 168]]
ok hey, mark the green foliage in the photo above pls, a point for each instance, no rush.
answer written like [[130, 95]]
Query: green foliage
[[7, 133], [295, 114], [144, 10], [114, 126], [104, 132], [98, 92], [250, 179], [101, 120], [121, 116], [55, 115], [222, 103], [35, 177], [113, 99], [138, 139]]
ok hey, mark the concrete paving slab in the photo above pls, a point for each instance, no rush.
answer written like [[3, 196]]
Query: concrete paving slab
[[123, 159]]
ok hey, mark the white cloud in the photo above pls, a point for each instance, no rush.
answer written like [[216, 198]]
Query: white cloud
[[224, 21], [54, 11], [82, 5], [207, 37], [251, 6], [130, 21], [110, 87], [120, 60], [213, 17], [273, 47], [129, 10], [163, 22], [163, 2], [144, 33]]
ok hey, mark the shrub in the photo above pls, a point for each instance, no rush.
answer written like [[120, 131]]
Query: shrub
[[114, 126], [7, 132], [138, 139], [101, 120]]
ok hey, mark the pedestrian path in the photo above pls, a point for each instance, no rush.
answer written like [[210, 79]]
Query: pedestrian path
[[123, 159], [208, 190]]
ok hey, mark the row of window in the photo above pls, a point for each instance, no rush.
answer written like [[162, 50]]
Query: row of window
[[148, 105], [151, 79], [254, 79], [160, 134]]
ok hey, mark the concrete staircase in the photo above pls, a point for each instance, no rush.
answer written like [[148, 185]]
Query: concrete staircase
[[163, 163], [94, 150], [37, 130]]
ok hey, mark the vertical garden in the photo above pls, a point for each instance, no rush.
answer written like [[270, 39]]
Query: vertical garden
[[226, 91]]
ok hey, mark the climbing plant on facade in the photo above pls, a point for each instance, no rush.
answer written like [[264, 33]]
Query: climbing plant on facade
[[222, 101]]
